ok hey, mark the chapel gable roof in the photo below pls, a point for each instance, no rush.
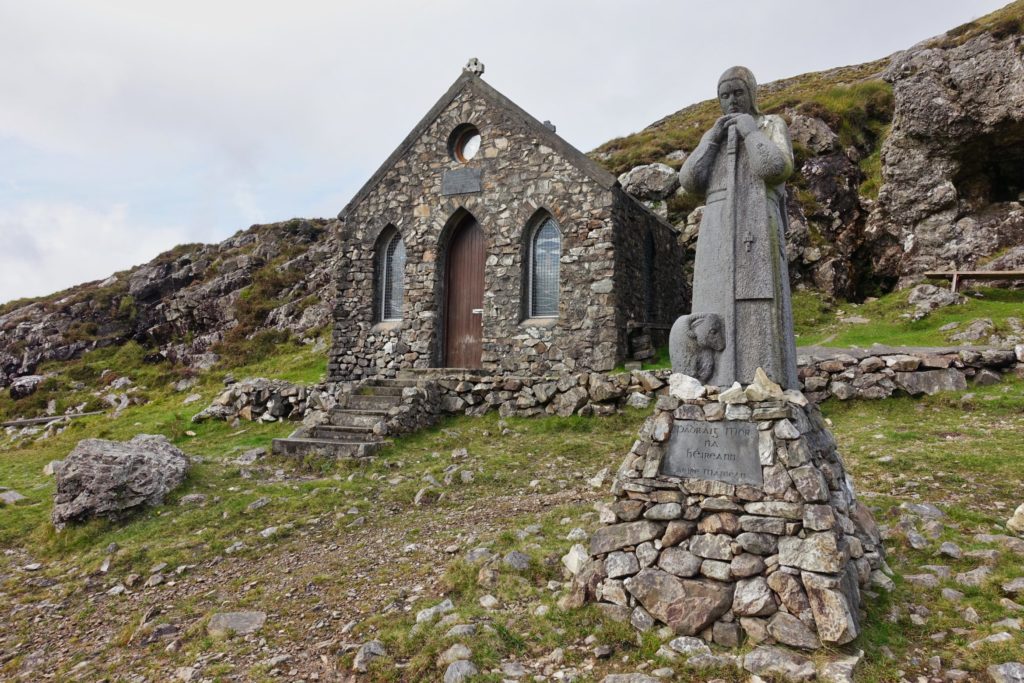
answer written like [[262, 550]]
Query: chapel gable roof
[[471, 81]]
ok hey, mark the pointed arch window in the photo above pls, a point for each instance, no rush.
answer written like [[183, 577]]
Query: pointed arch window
[[649, 289], [545, 253], [391, 269]]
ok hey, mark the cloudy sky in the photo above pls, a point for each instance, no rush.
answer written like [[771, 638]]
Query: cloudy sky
[[129, 126]]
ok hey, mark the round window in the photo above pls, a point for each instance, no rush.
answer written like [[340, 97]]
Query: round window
[[464, 142]]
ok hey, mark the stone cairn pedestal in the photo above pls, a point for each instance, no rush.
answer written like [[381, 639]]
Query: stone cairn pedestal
[[733, 517]]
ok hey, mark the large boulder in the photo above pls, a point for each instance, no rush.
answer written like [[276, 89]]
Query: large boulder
[[653, 182], [25, 386], [102, 478]]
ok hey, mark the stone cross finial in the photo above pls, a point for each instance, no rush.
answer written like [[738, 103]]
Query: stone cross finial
[[474, 66]]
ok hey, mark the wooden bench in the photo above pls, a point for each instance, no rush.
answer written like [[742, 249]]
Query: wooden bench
[[957, 275]]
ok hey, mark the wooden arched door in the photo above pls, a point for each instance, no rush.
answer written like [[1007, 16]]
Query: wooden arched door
[[464, 296]]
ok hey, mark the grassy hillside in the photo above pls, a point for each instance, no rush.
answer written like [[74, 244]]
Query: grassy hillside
[[351, 547]]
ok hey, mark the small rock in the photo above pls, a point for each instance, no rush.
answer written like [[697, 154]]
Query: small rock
[[225, 624], [951, 550], [431, 613], [1014, 586], [1011, 672], [366, 654], [575, 559], [454, 654], [11, 497], [733, 394], [489, 602], [517, 560], [684, 387], [460, 671], [257, 504], [995, 638]]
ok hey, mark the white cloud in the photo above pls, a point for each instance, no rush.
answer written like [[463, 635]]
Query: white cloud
[[43, 246], [214, 115]]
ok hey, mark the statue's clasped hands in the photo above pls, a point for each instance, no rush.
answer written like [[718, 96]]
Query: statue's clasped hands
[[744, 124]]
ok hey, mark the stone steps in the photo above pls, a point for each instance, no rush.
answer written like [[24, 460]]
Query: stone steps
[[350, 431], [372, 401], [331, 448]]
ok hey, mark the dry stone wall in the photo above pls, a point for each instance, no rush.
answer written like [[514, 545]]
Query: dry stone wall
[[824, 373]]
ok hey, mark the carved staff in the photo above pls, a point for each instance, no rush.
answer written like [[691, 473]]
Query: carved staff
[[733, 235]]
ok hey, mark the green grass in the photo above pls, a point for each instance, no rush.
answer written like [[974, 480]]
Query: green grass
[[818, 320], [956, 450]]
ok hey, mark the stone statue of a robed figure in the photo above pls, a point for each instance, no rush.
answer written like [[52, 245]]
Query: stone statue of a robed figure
[[741, 315]]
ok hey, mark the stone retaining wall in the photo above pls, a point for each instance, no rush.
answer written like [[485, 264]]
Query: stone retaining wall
[[824, 372], [879, 372]]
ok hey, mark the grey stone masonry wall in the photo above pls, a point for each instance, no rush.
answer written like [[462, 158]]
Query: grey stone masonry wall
[[781, 557], [522, 176], [667, 286]]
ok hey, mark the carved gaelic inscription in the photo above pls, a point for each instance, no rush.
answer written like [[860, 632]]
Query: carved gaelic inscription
[[721, 451]]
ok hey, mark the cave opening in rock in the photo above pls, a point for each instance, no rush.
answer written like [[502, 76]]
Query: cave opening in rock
[[991, 168]]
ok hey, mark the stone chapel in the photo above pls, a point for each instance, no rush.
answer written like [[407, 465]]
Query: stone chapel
[[487, 242]]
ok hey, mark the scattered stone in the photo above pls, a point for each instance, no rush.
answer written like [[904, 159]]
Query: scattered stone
[[973, 578], [689, 646], [1016, 522], [366, 654], [460, 671], [994, 639], [224, 624], [454, 654], [193, 499], [517, 560], [1014, 586], [840, 670], [629, 678], [951, 550], [11, 497], [575, 559], [773, 661], [1011, 672], [489, 602], [431, 613], [577, 534]]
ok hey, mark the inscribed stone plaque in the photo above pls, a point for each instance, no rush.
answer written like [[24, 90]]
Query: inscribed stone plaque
[[721, 451], [460, 181]]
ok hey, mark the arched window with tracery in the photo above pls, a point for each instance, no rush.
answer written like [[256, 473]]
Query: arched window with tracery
[[544, 256], [391, 276]]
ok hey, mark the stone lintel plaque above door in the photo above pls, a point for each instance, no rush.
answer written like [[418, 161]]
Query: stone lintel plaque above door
[[461, 181], [719, 451]]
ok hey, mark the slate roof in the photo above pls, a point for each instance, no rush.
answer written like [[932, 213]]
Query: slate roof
[[481, 89]]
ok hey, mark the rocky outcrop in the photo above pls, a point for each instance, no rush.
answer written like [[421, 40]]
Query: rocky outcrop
[[111, 479], [953, 163], [185, 301]]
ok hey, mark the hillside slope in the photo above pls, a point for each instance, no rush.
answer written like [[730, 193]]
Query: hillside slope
[[905, 164]]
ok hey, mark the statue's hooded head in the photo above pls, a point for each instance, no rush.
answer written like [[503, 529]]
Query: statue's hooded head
[[737, 91]]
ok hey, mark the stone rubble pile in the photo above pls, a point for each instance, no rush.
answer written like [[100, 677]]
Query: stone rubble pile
[[784, 562]]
